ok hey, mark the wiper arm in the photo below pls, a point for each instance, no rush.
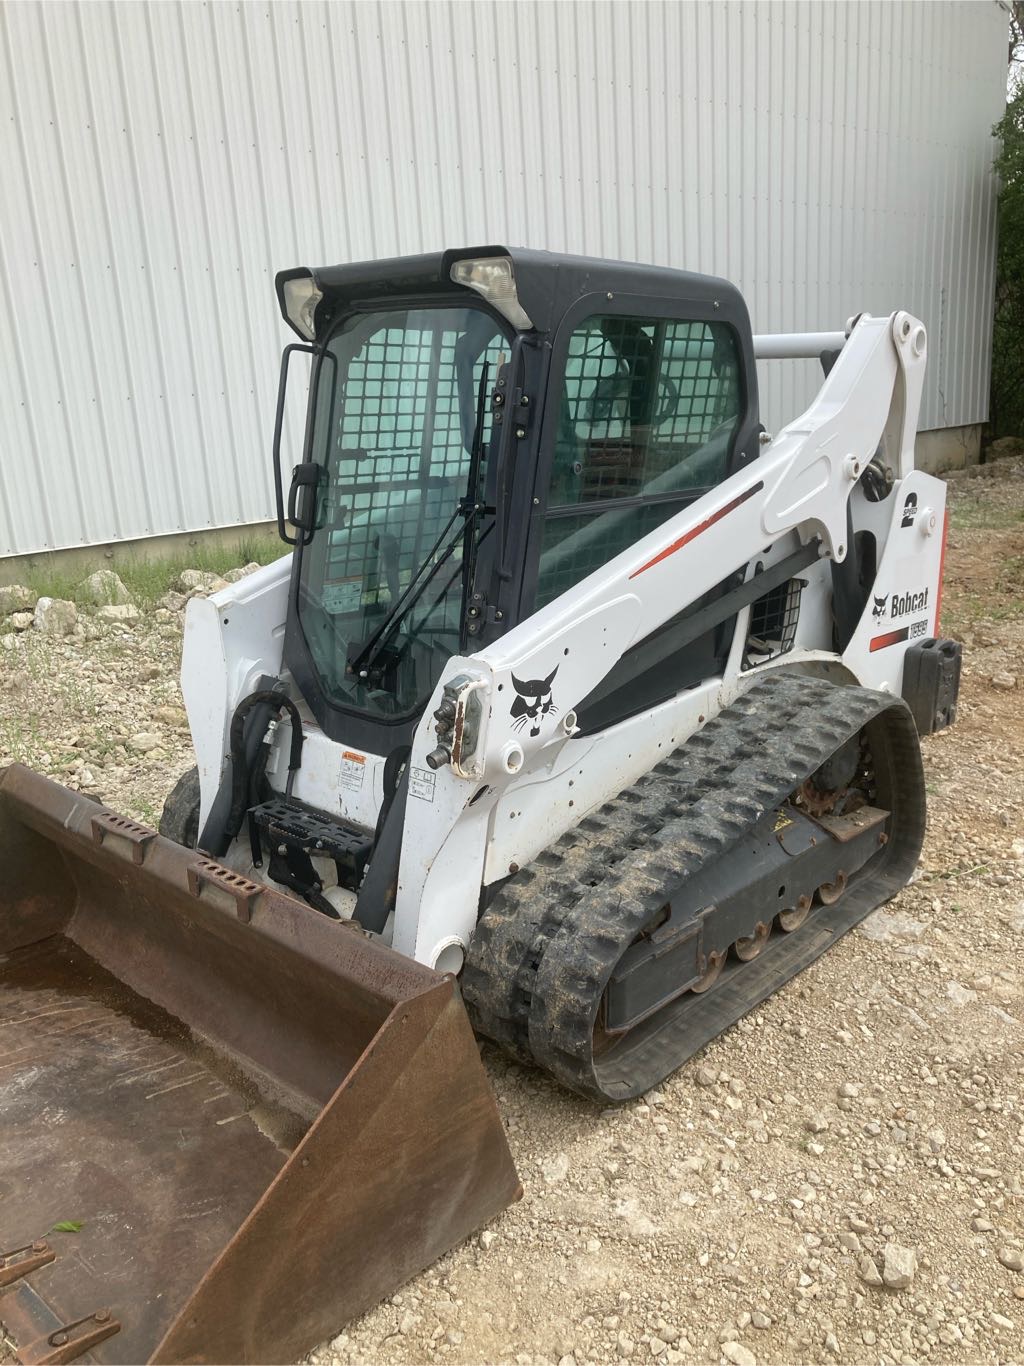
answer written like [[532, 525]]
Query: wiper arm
[[470, 508], [413, 592]]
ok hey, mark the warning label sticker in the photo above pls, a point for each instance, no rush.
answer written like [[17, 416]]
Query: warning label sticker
[[346, 595], [353, 766], [421, 784]]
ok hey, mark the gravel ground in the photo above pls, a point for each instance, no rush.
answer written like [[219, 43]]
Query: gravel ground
[[839, 1178]]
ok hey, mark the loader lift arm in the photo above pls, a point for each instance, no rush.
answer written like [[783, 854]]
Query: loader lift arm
[[799, 487]]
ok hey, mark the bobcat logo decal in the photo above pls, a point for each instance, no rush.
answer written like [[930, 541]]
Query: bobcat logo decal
[[532, 701], [879, 611]]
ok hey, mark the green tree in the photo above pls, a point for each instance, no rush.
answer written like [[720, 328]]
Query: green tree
[[1007, 407]]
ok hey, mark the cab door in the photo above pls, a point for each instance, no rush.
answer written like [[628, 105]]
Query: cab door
[[650, 407]]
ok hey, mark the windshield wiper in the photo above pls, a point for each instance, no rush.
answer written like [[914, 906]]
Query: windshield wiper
[[470, 508], [415, 589]]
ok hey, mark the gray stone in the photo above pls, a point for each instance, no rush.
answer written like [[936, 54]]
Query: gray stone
[[899, 1266], [760, 1319], [21, 621], [173, 602], [1005, 682], [486, 1239], [959, 994], [144, 742], [1011, 1258], [234, 575], [103, 589], [55, 616], [120, 611], [15, 597], [555, 1169], [170, 716], [884, 926], [199, 580], [738, 1354], [869, 1272]]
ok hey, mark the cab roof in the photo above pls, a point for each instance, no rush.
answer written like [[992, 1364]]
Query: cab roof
[[548, 284]]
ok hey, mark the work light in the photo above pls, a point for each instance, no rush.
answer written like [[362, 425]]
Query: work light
[[494, 280], [301, 297]]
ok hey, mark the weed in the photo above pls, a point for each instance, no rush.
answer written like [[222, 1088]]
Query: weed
[[147, 580], [968, 512]]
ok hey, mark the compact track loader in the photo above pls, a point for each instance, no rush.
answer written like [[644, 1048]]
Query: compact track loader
[[580, 698]]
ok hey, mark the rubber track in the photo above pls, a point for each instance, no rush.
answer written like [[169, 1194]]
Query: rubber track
[[546, 946]]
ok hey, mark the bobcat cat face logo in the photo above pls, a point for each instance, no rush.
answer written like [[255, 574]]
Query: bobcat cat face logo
[[533, 700], [879, 611]]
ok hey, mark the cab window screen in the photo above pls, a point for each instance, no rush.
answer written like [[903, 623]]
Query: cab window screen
[[648, 411]]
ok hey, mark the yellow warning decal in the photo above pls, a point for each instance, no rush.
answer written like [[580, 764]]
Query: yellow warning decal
[[781, 821]]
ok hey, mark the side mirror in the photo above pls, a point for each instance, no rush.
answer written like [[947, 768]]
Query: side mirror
[[303, 498]]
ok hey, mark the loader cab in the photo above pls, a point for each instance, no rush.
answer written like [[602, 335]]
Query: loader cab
[[484, 430]]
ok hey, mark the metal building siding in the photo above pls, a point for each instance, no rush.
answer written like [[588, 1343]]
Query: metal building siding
[[162, 161]]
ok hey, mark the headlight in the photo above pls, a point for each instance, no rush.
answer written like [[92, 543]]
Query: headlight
[[301, 297], [494, 280]]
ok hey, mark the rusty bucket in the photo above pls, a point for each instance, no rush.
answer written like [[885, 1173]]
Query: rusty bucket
[[258, 1121]]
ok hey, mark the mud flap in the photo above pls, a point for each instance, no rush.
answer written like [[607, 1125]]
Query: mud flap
[[262, 1121]]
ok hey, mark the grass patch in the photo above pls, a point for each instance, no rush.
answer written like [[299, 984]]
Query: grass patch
[[1011, 576], [967, 513], [147, 580]]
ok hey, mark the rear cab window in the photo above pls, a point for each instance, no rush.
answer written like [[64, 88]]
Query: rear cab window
[[647, 417]]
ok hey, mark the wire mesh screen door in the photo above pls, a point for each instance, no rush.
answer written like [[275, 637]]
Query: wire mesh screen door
[[648, 410], [401, 450]]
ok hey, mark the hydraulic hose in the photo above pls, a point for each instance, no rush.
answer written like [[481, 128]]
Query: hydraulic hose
[[239, 766]]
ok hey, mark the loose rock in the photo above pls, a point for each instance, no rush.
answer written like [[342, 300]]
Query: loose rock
[[738, 1354], [55, 616], [1011, 1258], [899, 1266], [144, 742], [201, 580], [15, 597], [234, 575], [125, 611], [869, 1273], [103, 589]]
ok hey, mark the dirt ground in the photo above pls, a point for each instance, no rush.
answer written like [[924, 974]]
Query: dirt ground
[[869, 1116]]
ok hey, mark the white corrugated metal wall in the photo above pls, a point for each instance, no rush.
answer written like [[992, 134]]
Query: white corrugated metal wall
[[161, 161]]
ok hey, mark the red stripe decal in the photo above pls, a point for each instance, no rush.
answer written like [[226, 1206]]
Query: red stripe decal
[[890, 638], [694, 532], [942, 569]]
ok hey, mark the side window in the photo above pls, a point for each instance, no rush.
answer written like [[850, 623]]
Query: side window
[[648, 411]]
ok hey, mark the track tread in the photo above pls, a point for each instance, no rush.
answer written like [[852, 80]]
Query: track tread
[[546, 946]]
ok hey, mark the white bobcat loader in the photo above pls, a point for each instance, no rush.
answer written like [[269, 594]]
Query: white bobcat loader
[[577, 688]]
